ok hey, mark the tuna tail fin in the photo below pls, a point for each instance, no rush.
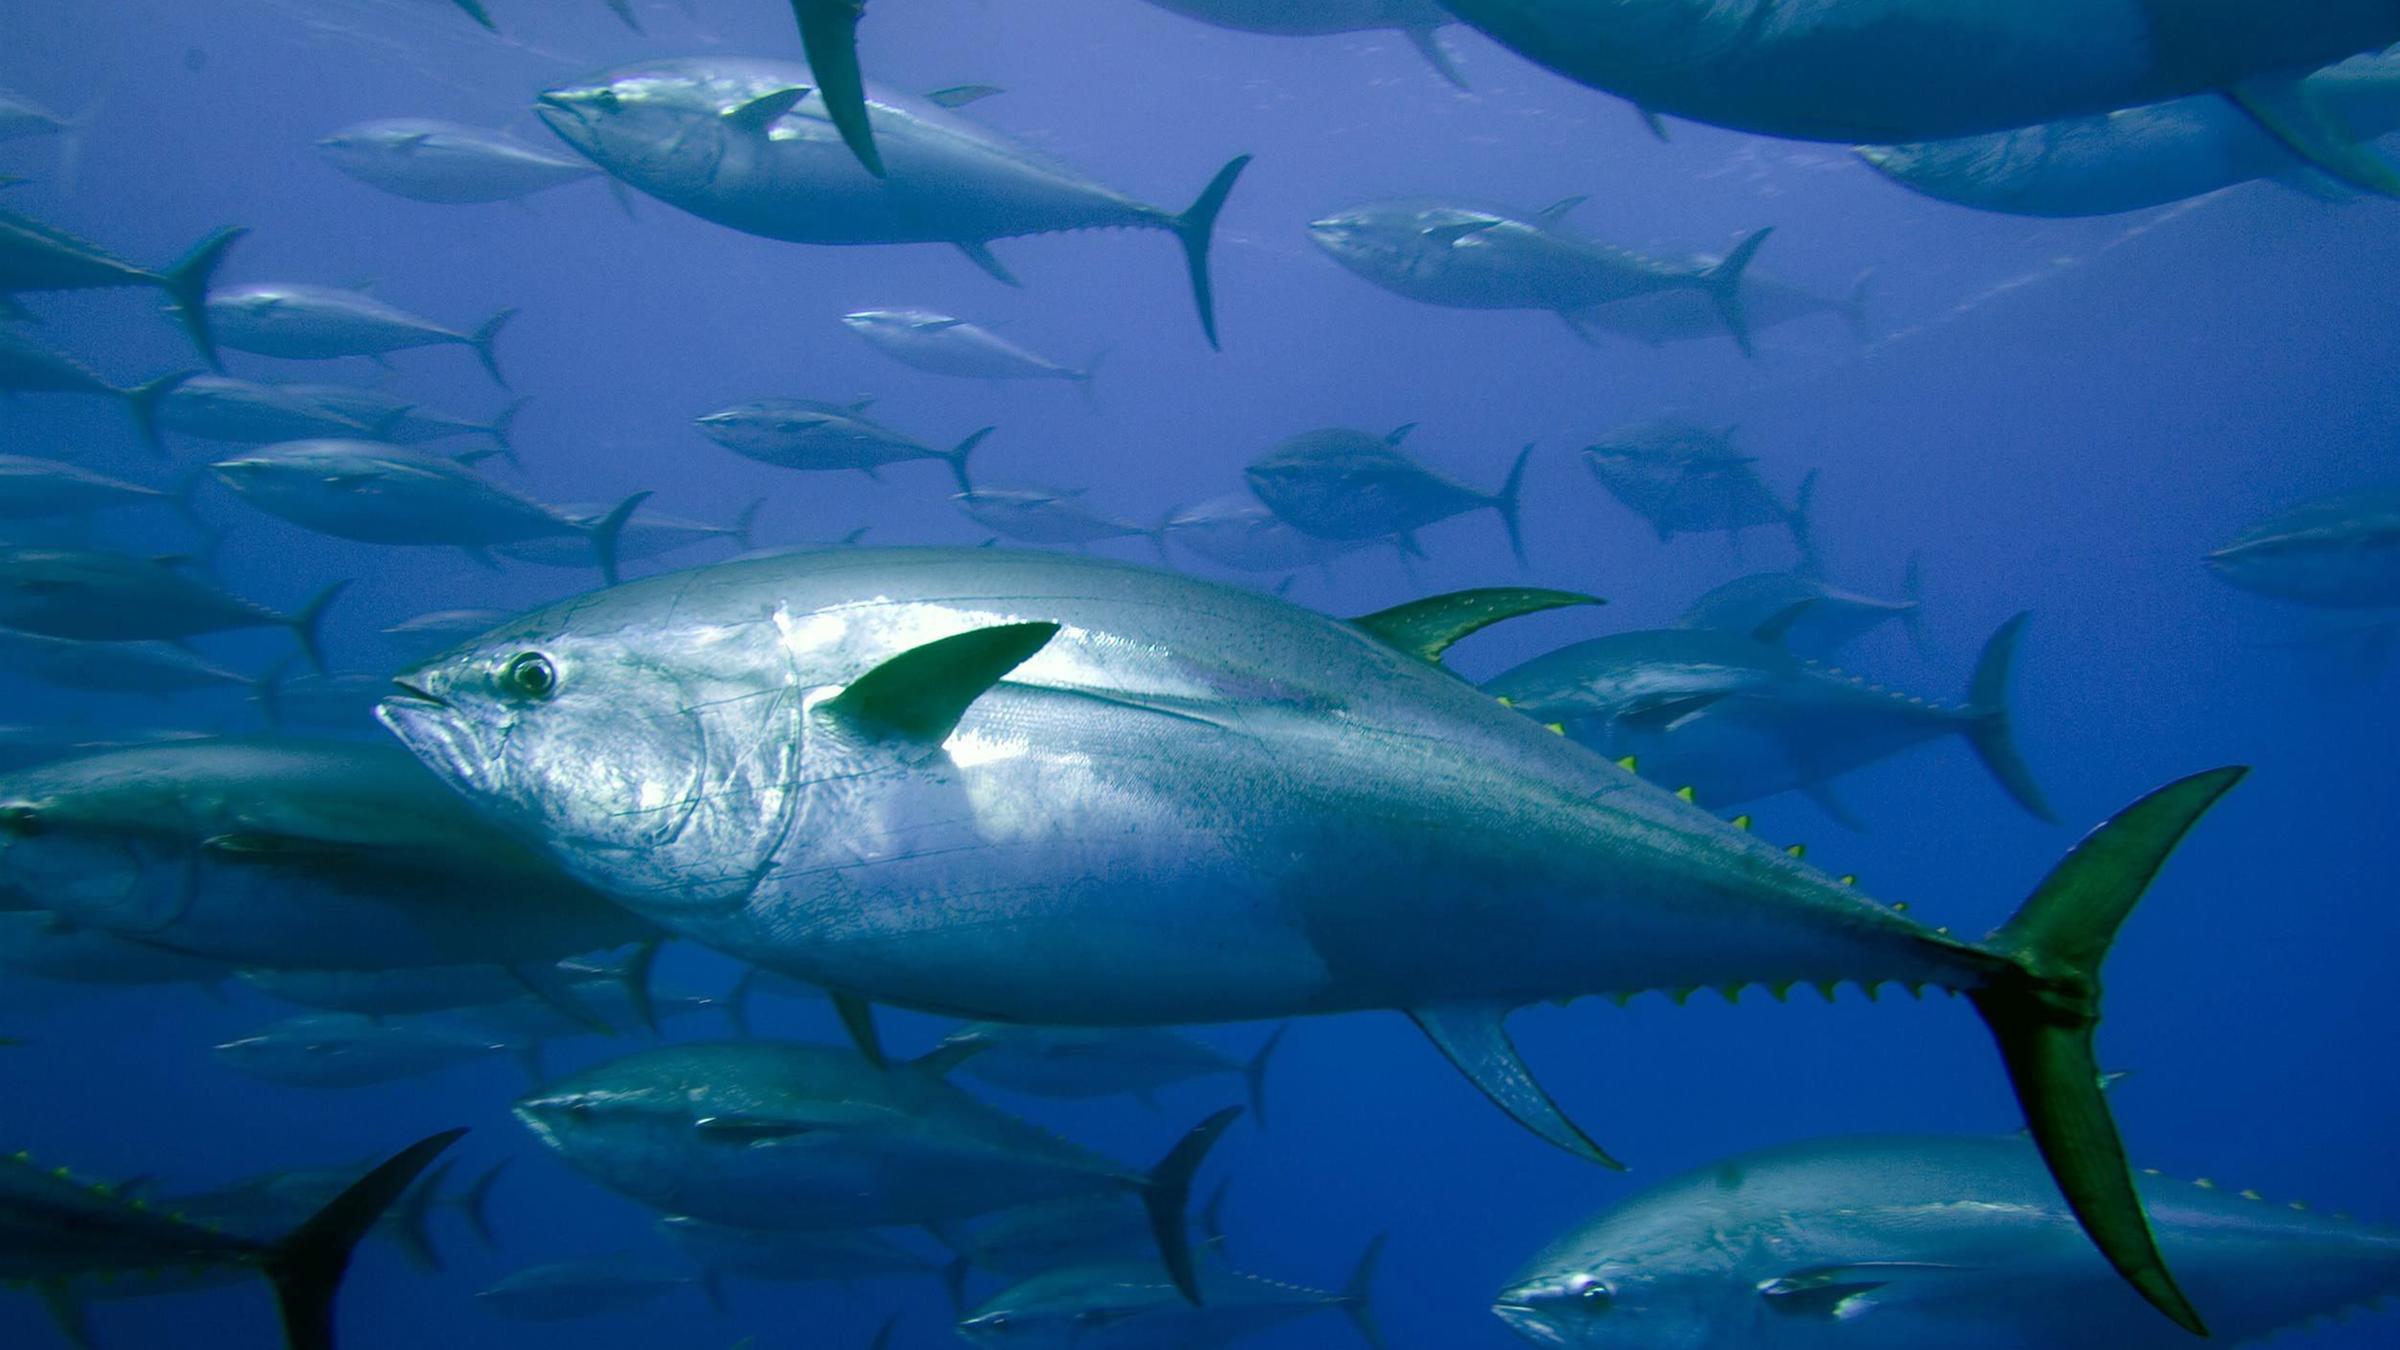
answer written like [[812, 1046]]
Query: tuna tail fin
[[482, 343], [635, 975], [1509, 499], [883, 1334], [829, 33], [68, 1313], [1724, 285], [1083, 377], [608, 530], [502, 430], [1167, 1193], [737, 1002], [1254, 1075], [475, 1203], [143, 400], [2044, 1004], [186, 283], [1987, 702], [1428, 42], [1804, 526], [307, 1266], [1854, 308], [1194, 227], [1359, 1289], [1912, 592], [957, 456], [306, 624], [745, 525], [623, 9], [476, 11], [415, 1206]]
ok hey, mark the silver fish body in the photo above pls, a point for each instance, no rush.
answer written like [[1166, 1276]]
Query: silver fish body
[[445, 162], [940, 344], [2341, 552]]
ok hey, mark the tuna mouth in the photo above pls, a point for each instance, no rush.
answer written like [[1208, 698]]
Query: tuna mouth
[[410, 693], [1529, 1322]]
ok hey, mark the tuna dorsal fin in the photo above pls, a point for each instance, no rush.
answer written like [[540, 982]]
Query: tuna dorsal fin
[[1426, 628], [980, 254], [1555, 214], [764, 111], [1399, 433], [1474, 1038], [920, 695], [960, 95]]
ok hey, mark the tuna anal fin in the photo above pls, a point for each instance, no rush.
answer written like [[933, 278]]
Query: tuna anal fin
[[1821, 795], [980, 254], [919, 696], [1427, 628], [1474, 1039], [858, 1020], [2284, 108]]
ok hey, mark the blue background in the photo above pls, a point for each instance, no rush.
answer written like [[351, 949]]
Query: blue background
[[2060, 416]]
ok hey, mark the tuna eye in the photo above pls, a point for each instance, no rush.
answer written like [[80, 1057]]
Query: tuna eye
[[20, 820], [608, 100], [1596, 1297], [529, 675]]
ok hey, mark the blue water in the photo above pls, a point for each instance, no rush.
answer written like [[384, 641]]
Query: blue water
[[2058, 417]]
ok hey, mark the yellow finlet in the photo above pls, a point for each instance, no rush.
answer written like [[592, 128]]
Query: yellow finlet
[[1797, 850], [1741, 822], [1849, 878], [1556, 728], [1630, 764], [1684, 792]]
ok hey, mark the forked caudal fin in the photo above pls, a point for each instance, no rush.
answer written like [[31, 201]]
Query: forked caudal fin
[[608, 530], [307, 1266], [1724, 285], [1360, 1288], [1507, 501], [2044, 1005], [482, 339], [1987, 699], [1167, 1192], [186, 285], [959, 453], [1195, 227]]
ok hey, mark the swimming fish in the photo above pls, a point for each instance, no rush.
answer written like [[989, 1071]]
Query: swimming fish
[[444, 162], [344, 1050], [247, 412], [1420, 21], [1133, 1306], [1075, 1063], [1685, 479], [1027, 779], [1048, 516], [1347, 485], [1833, 617], [324, 323], [800, 433], [39, 257], [746, 143], [109, 597], [28, 369], [942, 345], [1896, 1242], [32, 486], [2342, 552]]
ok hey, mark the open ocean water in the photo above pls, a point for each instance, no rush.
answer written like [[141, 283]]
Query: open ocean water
[[2059, 416]]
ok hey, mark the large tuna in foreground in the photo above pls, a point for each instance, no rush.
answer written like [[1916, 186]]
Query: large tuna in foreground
[[1881, 71], [1904, 1242], [746, 143], [1057, 790]]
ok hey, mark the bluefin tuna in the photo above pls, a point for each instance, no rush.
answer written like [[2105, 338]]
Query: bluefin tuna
[[28, 369], [108, 597], [1243, 533], [57, 1232], [346, 1050], [1735, 717], [746, 143], [565, 1291], [2139, 157], [1767, 301], [1904, 1241], [246, 412], [1909, 70], [1687, 479], [1349, 486], [23, 119], [1133, 1306], [783, 1255], [295, 854], [440, 628], [2342, 552], [1420, 21], [39, 257], [1037, 515], [390, 494], [324, 323], [645, 536], [941, 344], [38, 944], [1832, 618], [763, 1134], [1075, 1063], [154, 668], [1011, 786], [401, 421], [799, 433], [31, 486], [446, 163], [1473, 257], [271, 1202], [1080, 1230]]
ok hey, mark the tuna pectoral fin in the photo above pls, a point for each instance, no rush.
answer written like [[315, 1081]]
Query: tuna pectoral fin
[[556, 991], [1194, 228], [761, 113], [1474, 1038], [919, 696], [1724, 285], [829, 33], [1841, 1292], [1428, 42], [858, 1022], [1254, 1077], [1660, 718], [307, 1267], [2284, 108], [1167, 1193], [980, 254], [1429, 627], [475, 11], [186, 285], [69, 1315], [1987, 699], [2045, 1004]]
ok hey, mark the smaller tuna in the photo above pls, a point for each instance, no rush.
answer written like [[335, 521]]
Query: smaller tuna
[[324, 323], [646, 536], [1687, 479], [784, 1256], [1035, 515], [447, 163], [1077, 1063], [39, 257], [159, 669], [1134, 1306], [31, 487], [346, 1050], [1241, 532], [942, 345], [57, 1231], [2340, 552], [799, 433], [28, 369], [566, 1291], [1833, 619], [246, 412], [109, 597], [1348, 485]]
